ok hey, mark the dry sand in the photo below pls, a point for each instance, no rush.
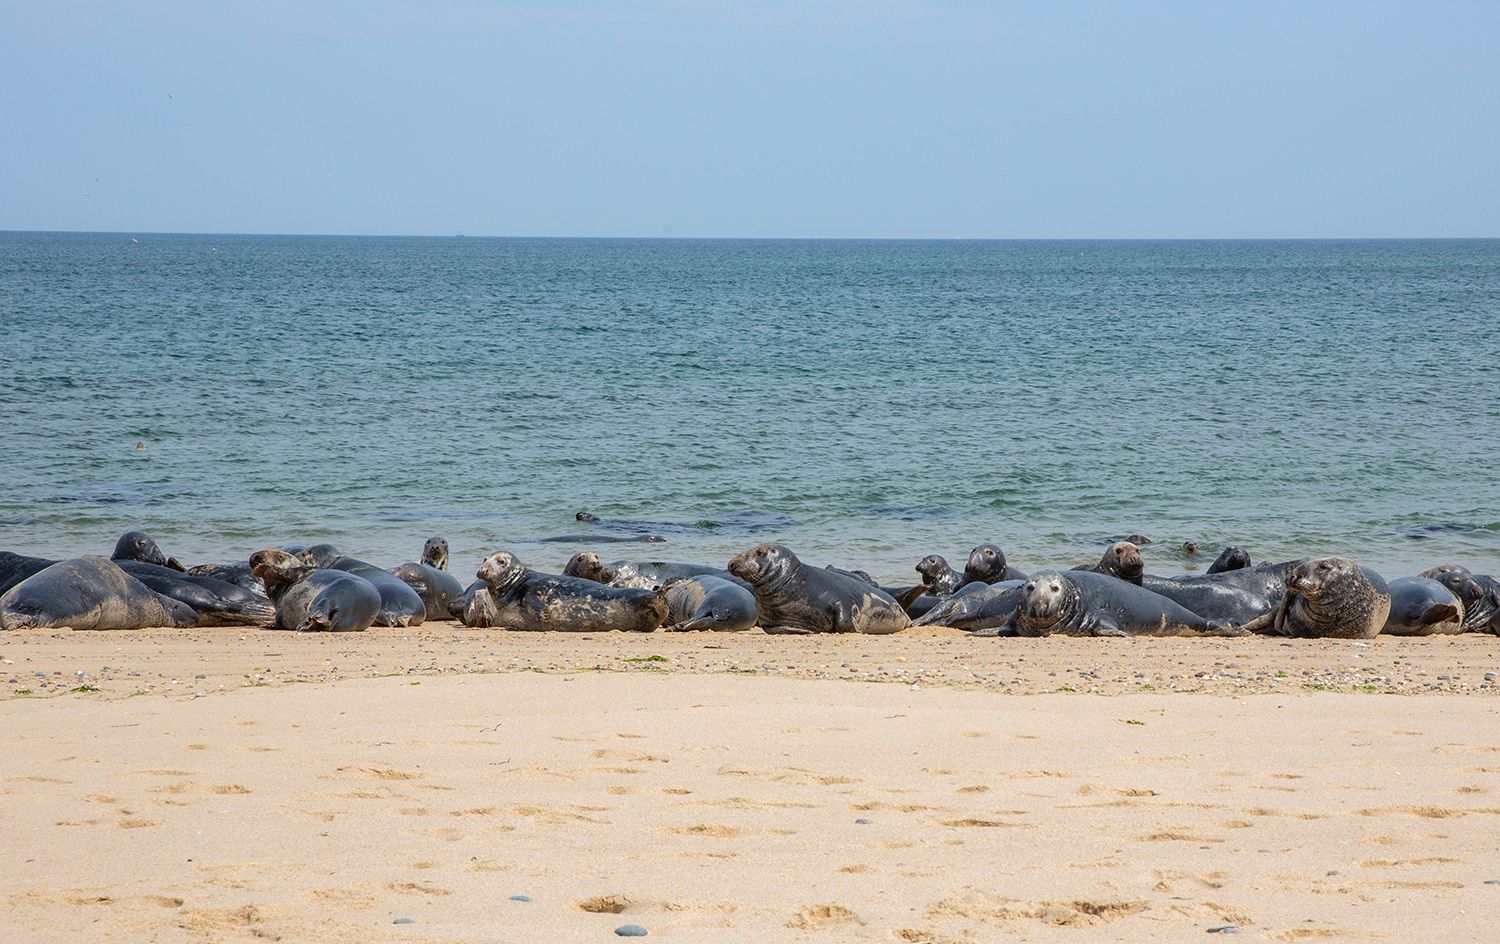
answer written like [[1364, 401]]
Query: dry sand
[[220, 785]]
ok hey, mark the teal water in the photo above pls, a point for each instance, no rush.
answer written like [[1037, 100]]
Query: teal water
[[864, 402]]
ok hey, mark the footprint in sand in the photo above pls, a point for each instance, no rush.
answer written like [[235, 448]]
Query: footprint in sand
[[818, 917]]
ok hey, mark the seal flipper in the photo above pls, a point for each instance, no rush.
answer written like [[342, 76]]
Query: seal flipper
[[1105, 625], [786, 631]]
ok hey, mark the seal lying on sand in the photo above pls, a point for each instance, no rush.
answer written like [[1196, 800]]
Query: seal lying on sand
[[437, 588], [1082, 603], [587, 565], [88, 593], [475, 607], [529, 600], [644, 575], [399, 604], [1421, 606], [975, 607], [1239, 596], [310, 598], [216, 602], [1329, 597], [709, 603], [794, 598], [1480, 596], [15, 568]]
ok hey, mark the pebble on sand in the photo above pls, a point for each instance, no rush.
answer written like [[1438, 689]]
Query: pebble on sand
[[863, 822], [519, 898], [404, 921], [1225, 929], [630, 930]]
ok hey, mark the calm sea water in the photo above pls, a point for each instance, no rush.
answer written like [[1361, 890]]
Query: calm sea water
[[865, 403]]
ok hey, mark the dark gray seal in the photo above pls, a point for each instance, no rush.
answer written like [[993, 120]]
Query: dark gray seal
[[475, 608], [1480, 596], [310, 599], [791, 597], [1242, 596], [437, 588], [586, 565], [1232, 557], [863, 576], [399, 604], [938, 581], [975, 607], [136, 546], [1421, 606], [1121, 559], [643, 575], [709, 603], [1330, 597], [15, 568], [530, 600], [435, 553], [987, 564], [216, 602], [88, 593], [1083, 603], [238, 574]]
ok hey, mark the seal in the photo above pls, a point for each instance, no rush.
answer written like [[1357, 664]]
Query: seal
[[312, 599], [938, 581], [643, 575], [1480, 596], [975, 607], [215, 602], [1330, 597], [15, 568], [136, 546], [400, 605], [987, 564], [1421, 606], [238, 574], [436, 587], [863, 576], [709, 603], [475, 608], [1121, 559], [88, 593], [1242, 596], [435, 553], [530, 600], [1083, 603], [586, 565], [1233, 557], [791, 597]]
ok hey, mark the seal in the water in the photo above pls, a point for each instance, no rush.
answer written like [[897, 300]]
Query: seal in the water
[[88, 593], [311, 598], [587, 517], [530, 600], [975, 607], [1480, 596], [475, 608], [791, 597], [437, 588], [1330, 597], [587, 565], [603, 539], [136, 546], [1421, 606], [1233, 557], [709, 603], [216, 602], [643, 575], [1083, 603], [987, 564], [435, 553], [1190, 548], [400, 605]]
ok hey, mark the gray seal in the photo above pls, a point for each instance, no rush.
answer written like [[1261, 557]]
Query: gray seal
[[987, 564], [435, 553], [88, 593], [312, 599], [791, 597], [437, 588], [1083, 603], [709, 603], [238, 574], [136, 546], [975, 607], [399, 604], [1232, 557], [1421, 606], [1242, 597], [644, 575], [1121, 559], [15, 568], [1480, 596], [475, 608], [216, 602], [530, 600], [586, 565], [1330, 597]]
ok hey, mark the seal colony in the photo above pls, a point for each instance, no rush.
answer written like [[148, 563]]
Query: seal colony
[[319, 588]]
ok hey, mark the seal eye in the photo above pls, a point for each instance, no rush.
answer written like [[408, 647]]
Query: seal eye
[[1031, 586], [1056, 588], [989, 553]]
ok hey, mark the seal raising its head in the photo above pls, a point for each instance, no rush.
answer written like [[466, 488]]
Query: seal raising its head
[[1333, 597], [136, 546], [435, 553], [938, 578], [1121, 559], [987, 564], [587, 565]]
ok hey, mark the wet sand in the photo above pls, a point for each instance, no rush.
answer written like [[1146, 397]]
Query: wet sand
[[224, 785]]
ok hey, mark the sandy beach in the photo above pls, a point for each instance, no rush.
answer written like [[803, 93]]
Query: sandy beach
[[404, 785]]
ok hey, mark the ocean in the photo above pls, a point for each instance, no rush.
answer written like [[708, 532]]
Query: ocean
[[864, 402]]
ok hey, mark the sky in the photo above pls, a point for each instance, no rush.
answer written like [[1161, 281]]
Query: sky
[[806, 118]]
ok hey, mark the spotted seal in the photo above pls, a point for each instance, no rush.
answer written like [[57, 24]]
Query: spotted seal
[[1330, 597], [530, 600], [791, 597], [1084, 603]]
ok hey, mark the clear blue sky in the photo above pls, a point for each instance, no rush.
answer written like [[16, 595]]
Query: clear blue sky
[[921, 118]]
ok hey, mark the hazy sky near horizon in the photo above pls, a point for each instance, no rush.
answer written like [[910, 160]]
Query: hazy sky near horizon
[[881, 118]]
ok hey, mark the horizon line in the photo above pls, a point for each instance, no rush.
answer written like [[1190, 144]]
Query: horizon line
[[667, 237]]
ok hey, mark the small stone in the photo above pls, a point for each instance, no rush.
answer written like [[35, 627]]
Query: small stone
[[1225, 929], [519, 898], [1489, 676], [404, 921], [630, 930], [863, 822], [1492, 881]]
